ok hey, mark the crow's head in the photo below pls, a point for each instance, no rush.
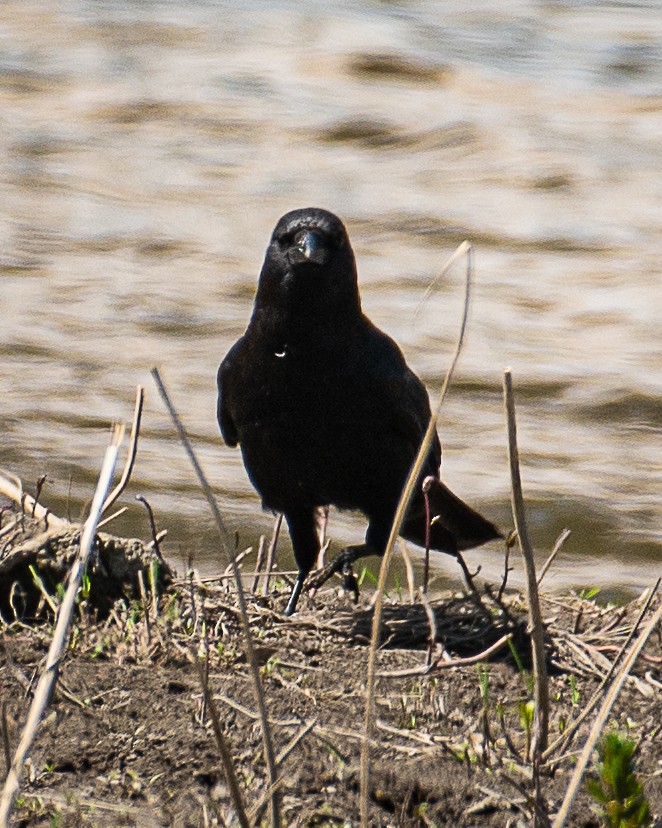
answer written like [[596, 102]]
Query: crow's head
[[309, 264], [311, 237]]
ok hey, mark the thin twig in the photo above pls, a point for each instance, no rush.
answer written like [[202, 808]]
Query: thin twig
[[465, 249], [38, 488], [555, 551], [48, 677], [143, 595], [432, 624], [5, 738], [267, 740], [152, 526], [239, 558], [506, 571], [223, 576], [14, 491], [259, 561], [133, 450], [601, 718], [441, 664], [427, 485], [114, 515], [541, 687], [271, 551]]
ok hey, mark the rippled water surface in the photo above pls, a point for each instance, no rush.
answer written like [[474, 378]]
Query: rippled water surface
[[148, 148]]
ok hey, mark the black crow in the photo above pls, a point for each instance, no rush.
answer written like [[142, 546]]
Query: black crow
[[323, 404]]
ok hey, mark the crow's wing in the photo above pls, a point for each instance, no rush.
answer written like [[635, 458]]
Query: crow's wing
[[224, 382], [404, 395]]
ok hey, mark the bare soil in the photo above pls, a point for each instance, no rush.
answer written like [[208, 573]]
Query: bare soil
[[127, 740]]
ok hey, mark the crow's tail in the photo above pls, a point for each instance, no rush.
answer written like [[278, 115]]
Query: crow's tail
[[454, 525]]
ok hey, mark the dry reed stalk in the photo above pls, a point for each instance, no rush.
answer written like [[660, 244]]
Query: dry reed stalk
[[465, 249], [267, 740], [432, 624], [154, 587], [49, 674], [601, 718], [133, 450], [541, 686]]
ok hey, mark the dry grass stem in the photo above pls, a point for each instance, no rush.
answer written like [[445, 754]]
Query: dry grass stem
[[223, 748], [49, 674], [465, 249], [552, 555], [259, 562], [257, 809], [143, 595], [267, 739]]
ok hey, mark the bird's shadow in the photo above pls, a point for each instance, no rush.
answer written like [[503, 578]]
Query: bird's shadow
[[462, 626]]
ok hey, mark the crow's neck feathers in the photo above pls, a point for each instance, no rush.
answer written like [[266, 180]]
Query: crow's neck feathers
[[303, 300]]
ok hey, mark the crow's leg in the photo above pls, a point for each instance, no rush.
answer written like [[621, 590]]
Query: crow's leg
[[343, 561], [306, 546], [468, 577], [375, 542]]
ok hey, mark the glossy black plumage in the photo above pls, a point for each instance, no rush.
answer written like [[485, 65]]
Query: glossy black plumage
[[323, 405]]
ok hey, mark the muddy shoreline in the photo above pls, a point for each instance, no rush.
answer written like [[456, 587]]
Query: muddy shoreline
[[127, 739]]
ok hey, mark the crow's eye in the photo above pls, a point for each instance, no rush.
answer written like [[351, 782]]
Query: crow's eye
[[285, 240]]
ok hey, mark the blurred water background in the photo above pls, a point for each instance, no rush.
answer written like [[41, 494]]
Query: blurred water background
[[148, 148]]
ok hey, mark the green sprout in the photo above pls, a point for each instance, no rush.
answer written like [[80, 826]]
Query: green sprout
[[616, 788], [589, 593]]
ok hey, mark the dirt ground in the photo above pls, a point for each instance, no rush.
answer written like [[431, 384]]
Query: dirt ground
[[127, 740]]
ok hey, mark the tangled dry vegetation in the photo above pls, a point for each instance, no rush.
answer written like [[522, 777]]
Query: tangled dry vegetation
[[133, 697]]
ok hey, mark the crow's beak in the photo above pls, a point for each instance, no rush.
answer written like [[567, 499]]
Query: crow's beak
[[308, 247]]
